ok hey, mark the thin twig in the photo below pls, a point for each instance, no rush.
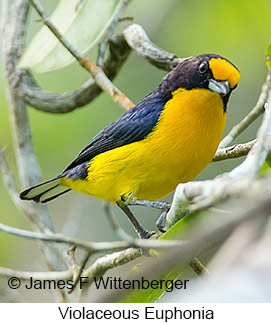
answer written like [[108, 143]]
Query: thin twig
[[76, 268], [259, 152], [109, 33], [71, 254], [3, 15], [235, 151], [97, 73], [60, 238], [77, 274], [89, 245], [251, 116], [8, 179], [43, 275], [198, 267]]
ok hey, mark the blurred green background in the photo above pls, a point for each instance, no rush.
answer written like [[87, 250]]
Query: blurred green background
[[238, 30]]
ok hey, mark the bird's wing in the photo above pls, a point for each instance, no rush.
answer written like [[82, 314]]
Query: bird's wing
[[132, 126]]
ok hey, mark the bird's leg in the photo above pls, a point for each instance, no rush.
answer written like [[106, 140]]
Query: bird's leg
[[142, 233], [160, 221], [164, 206]]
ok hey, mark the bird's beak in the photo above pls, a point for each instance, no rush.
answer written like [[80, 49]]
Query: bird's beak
[[220, 87]]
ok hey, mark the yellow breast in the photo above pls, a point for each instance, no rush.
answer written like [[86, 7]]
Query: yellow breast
[[182, 144]]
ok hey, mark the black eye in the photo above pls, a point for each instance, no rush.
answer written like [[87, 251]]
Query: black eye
[[203, 67]]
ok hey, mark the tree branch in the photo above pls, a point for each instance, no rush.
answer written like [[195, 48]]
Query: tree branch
[[109, 261], [138, 40]]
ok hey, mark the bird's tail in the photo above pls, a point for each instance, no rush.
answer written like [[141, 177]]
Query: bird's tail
[[44, 192]]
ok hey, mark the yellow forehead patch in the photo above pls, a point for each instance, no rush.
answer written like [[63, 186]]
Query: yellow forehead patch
[[224, 71]]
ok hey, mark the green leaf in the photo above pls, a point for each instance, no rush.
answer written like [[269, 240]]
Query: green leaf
[[83, 27], [266, 167], [268, 55]]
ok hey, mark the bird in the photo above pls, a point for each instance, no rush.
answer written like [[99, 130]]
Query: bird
[[167, 138]]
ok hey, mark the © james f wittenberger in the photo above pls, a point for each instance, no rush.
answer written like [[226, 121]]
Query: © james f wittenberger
[[110, 283]]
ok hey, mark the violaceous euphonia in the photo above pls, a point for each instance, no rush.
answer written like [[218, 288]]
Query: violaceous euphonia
[[167, 138]]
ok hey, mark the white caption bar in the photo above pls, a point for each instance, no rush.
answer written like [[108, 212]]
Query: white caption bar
[[164, 312]]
